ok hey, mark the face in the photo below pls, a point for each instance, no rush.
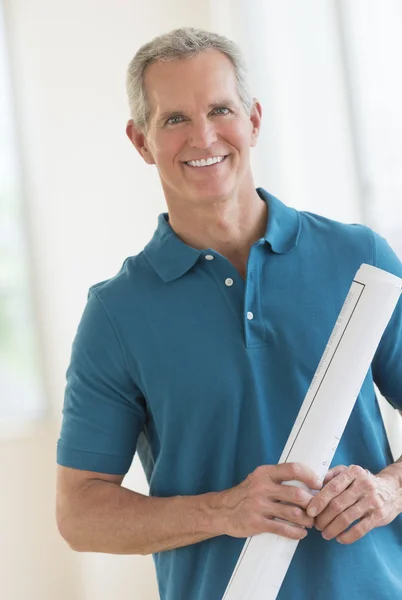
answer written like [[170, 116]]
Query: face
[[197, 115]]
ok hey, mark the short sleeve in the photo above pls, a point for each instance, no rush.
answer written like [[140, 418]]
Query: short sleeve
[[104, 411], [387, 362]]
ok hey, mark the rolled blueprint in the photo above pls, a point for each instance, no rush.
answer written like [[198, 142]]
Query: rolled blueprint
[[372, 298]]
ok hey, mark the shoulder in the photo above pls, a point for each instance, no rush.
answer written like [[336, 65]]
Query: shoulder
[[348, 241], [345, 240], [316, 224], [124, 289]]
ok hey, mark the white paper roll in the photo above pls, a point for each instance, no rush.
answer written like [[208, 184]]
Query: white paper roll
[[372, 298]]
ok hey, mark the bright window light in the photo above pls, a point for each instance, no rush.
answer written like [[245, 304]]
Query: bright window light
[[21, 392]]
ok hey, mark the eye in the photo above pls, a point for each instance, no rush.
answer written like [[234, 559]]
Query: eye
[[222, 110], [174, 120]]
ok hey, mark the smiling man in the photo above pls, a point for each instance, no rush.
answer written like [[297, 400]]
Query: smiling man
[[199, 352], [198, 134]]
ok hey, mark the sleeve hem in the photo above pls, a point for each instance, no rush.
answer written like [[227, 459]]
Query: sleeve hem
[[92, 461]]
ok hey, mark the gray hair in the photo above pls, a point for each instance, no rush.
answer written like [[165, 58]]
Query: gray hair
[[184, 42]]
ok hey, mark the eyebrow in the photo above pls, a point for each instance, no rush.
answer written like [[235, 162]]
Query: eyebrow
[[177, 113]]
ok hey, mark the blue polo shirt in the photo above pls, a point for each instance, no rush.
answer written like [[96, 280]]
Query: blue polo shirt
[[203, 373]]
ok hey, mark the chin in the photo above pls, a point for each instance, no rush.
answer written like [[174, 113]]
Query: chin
[[212, 192]]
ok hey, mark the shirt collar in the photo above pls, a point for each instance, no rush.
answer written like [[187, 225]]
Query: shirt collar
[[171, 257], [283, 225]]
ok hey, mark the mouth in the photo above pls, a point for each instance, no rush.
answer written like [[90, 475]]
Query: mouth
[[210, 163]]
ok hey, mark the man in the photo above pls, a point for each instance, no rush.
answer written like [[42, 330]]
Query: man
[[199, 352]]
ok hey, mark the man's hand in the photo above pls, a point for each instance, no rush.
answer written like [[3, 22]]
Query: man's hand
[[353, 493], [255, 504]]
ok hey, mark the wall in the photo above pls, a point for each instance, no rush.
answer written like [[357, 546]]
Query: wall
[[90, 202]]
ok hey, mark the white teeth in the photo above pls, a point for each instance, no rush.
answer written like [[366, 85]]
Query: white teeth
[[205, 163]]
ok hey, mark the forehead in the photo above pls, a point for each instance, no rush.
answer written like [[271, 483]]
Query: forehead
[[189, 82]]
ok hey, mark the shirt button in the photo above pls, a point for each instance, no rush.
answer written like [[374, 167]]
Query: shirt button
[[250, 315], [229, 281], [209, 257]]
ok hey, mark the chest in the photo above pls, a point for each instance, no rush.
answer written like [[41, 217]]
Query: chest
[[219, 343]]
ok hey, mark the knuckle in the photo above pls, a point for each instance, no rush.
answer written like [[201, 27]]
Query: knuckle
[[257, 477], [376, 502], [382, 513], [297, 512], [336, 505], [295, 469], [335, 485], [360, 530], [370, 485], [256, 524], [259, 499], [357, 471], [260, 470], [258, 489], [346, 519], [299, 495]]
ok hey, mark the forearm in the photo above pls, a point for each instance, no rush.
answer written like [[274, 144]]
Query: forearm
[[112, 519], [395, 470], [398, 469]]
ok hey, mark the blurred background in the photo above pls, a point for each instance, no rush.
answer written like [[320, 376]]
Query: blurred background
[[76, 199]]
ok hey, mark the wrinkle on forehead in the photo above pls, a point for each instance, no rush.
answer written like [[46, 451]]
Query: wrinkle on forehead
[[180, 86]]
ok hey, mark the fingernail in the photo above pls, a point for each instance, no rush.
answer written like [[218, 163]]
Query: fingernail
[[325, 536], [339, 541], [312, 512]]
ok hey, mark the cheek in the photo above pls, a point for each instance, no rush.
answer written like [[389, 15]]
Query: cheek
[[238, 135], [167, 148]]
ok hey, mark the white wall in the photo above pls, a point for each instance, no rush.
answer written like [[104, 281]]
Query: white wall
[[90, 202], [306, 152], [35, 564]]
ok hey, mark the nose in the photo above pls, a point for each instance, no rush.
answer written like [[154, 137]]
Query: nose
[[202, 134]]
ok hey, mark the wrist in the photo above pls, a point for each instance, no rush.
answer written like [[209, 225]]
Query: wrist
[[393, 471], [213, 508]]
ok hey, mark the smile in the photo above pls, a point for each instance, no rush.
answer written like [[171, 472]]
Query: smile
[[205, 162]]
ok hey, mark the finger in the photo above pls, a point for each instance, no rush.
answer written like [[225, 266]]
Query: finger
[[296, 472], [343, 521], [292, 514], [285, 530], [292, 494], [333, 473], [338, 506], [330, 491], [356, 532]]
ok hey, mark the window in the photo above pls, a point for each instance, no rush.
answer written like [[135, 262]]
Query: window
[[372, 35], [21, 393]]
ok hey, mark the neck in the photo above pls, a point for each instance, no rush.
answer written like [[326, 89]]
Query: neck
[[229, 227]]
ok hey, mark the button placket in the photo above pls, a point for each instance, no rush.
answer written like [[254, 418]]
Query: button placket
[[254, 328]]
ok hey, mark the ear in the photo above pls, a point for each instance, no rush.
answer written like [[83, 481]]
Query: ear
[[138, 139], [255, 119]]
